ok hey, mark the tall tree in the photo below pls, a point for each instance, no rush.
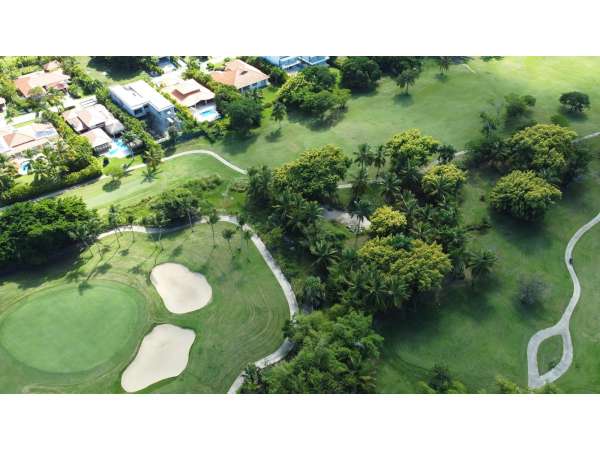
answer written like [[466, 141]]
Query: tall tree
[[361, 210], [228, 234], [481, 263], [379, 159], [279, 112], [213, 219], [408, 78]]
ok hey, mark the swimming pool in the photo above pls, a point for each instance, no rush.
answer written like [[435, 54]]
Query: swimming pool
[[24, 167], [207, 115], [119, 150]]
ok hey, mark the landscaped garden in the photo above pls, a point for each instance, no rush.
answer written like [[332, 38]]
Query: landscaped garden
[[75, 325]]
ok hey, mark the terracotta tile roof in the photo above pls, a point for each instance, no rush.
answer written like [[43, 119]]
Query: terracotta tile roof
[[97, 137], [238, 74], [30, 136], [56, 79], [189, 92], [52, 65]]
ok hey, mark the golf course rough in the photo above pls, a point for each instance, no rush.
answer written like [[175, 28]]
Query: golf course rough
[[71, 329]]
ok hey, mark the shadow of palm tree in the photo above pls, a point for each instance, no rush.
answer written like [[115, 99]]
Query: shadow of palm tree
[[83, 286], [111, 186]]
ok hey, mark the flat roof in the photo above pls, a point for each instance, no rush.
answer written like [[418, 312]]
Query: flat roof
[[139, 93]]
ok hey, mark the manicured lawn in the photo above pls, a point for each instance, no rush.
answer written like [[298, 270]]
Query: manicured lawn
[[85, 316], [448, 110], [136, 185], [482, 331], [108, 75]]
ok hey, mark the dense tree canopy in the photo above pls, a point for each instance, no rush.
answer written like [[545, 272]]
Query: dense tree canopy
[[410, 148], [360, 73], [32, 232], [387, 221], [523, 195], [315, 174], [575, 101], [334, 355], [443, 179]]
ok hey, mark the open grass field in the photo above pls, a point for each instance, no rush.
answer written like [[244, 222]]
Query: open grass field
[[137, 185], [480, 332], [75, 325], [108, 75], [448, 110]]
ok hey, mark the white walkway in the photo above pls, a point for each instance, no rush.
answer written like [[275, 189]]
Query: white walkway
[[561, 328], [288, 292]]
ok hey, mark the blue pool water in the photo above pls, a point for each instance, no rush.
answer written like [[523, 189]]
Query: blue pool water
[[24, 167], [119, 150], [208, 114]]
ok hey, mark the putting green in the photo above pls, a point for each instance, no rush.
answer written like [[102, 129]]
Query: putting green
[[67, 329]]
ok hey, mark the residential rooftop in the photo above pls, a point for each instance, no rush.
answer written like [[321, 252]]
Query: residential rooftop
[[239, 74], [138, 94]]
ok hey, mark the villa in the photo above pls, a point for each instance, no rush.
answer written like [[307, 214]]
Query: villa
[[95, 123], [291, 63], [51, 79], [190, 93], [140, 100], [241, 76], [14, 142]]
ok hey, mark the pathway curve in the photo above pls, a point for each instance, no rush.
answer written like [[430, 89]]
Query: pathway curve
[[288, 292], [561, 328]]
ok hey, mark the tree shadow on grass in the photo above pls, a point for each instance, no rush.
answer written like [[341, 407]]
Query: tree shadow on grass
[[572, 116], [150, 175], [177, 251], [83, 286], [441, 77], [274, 135], [111, 186], [404, 99]]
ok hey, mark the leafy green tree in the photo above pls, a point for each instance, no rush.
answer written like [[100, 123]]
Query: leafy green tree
[[260, 184], [446, 153], [408, 78], [115, 172], [394, 65], [359, 73], [320, 77], [386, 221], [279, 112], [8, 173], [523, 195], [177, 204], [517, 106], [410, 147], [244, 114], [315, 174], [442, 180], [575, 101]]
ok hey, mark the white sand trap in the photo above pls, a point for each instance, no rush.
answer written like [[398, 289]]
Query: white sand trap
[[163, 354], [181, 289]]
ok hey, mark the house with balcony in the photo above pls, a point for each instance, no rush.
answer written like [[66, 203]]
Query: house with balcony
[[191, 94], [292, 63], [142, 101], [241, 76]]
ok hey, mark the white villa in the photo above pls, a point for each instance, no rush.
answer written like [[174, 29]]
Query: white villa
[[296, 62], [140, 100]]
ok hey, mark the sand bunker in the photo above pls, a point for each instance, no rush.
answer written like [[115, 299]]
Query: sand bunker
[[163, 354], [182, 290]]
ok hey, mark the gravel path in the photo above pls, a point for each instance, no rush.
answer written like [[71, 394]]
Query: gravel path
[[561, 328], [290, 297]]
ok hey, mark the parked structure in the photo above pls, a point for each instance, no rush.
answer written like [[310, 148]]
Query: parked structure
[[15, 141], [190, 93], [296, 62], [140, 100], [241, 75], [95, 123]]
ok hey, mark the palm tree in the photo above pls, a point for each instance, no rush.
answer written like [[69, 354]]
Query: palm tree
[[130, 219], [227, 234], [241, 223], [247, 235], [444, 63], [8, 173], [379, 159], [153, 156], [313, 292], [312, 211], [360, 183], [439, 187], [480, 262], [407, 78], [160, 221], [391, 186], [114, 221], [363, 155], [213, 219], [279, 112], [85, 232], [360, 209], [323, 251]]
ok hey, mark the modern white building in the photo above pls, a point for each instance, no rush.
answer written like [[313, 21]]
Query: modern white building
[[296, 62], [140, 100]]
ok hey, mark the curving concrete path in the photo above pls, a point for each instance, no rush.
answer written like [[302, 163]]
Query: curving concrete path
[[288, 292], [561, 328]]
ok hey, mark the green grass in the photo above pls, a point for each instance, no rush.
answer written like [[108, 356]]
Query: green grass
[[108, 75], [67, 329], [242, 323], [136, 186], [480, 332], [549, 353], [448, 110]]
